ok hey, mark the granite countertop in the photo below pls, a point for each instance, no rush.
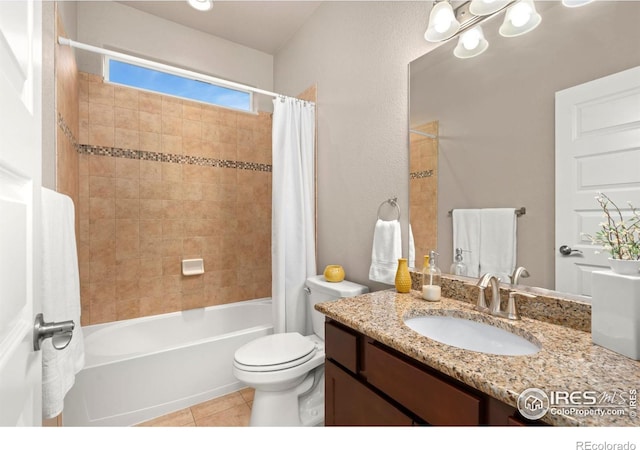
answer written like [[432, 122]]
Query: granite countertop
[[568, 361]]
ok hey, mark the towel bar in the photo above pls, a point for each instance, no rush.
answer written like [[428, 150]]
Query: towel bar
[[519, 212], [392, 202]]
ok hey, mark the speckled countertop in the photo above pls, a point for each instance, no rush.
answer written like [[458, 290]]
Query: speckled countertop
[[568, 361]]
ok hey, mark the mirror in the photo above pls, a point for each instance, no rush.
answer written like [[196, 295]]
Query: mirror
[[496, 125]]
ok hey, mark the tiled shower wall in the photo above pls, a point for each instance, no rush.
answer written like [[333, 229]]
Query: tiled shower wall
[[66, 76], [161, 180], [423, 190]]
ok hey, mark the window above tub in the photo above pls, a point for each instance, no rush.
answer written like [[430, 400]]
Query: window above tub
[[176, 85]]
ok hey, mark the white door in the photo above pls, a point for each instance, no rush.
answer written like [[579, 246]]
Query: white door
[[20, 180], [597, 150]]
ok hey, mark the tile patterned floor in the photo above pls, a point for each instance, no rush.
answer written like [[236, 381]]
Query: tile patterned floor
[[231, 410]]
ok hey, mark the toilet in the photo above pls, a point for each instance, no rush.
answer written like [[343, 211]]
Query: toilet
[[287, 369]]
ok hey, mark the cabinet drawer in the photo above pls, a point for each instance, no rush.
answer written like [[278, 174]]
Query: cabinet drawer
[[433, 399], [341, 346], [348, 402]]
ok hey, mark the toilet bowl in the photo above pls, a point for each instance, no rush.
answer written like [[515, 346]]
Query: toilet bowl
[[287, 369]]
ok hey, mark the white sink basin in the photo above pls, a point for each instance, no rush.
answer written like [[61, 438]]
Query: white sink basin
[[472, 335]]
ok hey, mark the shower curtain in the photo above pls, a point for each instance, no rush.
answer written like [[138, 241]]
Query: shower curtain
[[293, 212]]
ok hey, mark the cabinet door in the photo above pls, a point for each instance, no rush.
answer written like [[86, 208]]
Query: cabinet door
[[350, 403], [436, 401]]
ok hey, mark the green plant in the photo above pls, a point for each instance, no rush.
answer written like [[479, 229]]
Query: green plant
[[619, 236]]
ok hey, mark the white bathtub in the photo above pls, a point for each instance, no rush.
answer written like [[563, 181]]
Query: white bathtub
[[139, 369]]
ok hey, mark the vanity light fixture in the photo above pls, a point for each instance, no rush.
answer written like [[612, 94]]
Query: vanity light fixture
[[443, 23], [201, 5], [521, 18], [575, 3], [486, 7], [471, 43]]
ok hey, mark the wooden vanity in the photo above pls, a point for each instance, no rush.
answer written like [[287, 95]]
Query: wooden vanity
[[368, 383], [379, 371]]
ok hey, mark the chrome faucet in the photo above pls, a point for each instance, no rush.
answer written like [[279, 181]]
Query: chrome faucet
[[520, 272], [494, 308], [486, 280]]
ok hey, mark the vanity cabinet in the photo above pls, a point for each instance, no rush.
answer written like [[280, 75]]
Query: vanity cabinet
[[368, 383]]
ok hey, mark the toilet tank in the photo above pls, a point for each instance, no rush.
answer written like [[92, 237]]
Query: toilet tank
[[321, 290]]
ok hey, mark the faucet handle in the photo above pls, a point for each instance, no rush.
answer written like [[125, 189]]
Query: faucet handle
[[512, 308]]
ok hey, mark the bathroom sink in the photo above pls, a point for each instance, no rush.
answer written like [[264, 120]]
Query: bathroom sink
[[471, 335]]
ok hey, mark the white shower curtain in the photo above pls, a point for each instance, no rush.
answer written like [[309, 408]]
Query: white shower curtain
[[293, 212]]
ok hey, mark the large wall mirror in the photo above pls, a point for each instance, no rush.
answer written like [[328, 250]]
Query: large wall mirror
[[489, 123]]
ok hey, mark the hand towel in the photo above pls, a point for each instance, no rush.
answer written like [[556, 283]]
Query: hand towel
[[466, 235], [387, 249], [498, 242], [60, 299]]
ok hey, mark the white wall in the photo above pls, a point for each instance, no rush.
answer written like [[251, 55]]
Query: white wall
[[122, 28], [358, 54]]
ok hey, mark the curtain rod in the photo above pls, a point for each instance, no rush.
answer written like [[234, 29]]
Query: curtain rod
[[156, 65]]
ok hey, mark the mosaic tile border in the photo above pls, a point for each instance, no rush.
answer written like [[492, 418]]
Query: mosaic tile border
[[85, 149], [67, 131], [423, 174], [115, 152]]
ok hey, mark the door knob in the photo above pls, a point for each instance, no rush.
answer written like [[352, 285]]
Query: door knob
[[565, 250], [59, 332]]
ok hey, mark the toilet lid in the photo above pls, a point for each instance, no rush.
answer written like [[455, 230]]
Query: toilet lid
[[282, 350]]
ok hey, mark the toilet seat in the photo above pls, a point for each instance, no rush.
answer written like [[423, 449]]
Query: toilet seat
[[274, 352]]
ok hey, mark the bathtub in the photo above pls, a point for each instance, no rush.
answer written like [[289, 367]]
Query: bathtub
[[139, 369]]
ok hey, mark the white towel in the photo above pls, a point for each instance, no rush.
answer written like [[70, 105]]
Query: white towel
[[387, 249], [60, 299], [498, 242], [466, 235]]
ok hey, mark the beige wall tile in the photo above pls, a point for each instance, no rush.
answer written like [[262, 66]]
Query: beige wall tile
[[100, 114], [148, 102], [150, 170], [101, 208], [171, 107], [150, 142], [128, 270], [171, 125], [126, 98], [127, 208], [104, 187], [128, 168], [150, 122], [127, 139], [172, 190], [127, 118], [194, 147], [127, 249], [171, 144], [101, 135], [192, 129], [140, 218], [171, 172], [192, 111], [127, 188], [151, 189], [127, 309], [150, 267], [101, 93]]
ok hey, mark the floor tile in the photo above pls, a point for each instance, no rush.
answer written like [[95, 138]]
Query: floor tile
[[237, 416], [179, 418], [217, 405], [247, 394]]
